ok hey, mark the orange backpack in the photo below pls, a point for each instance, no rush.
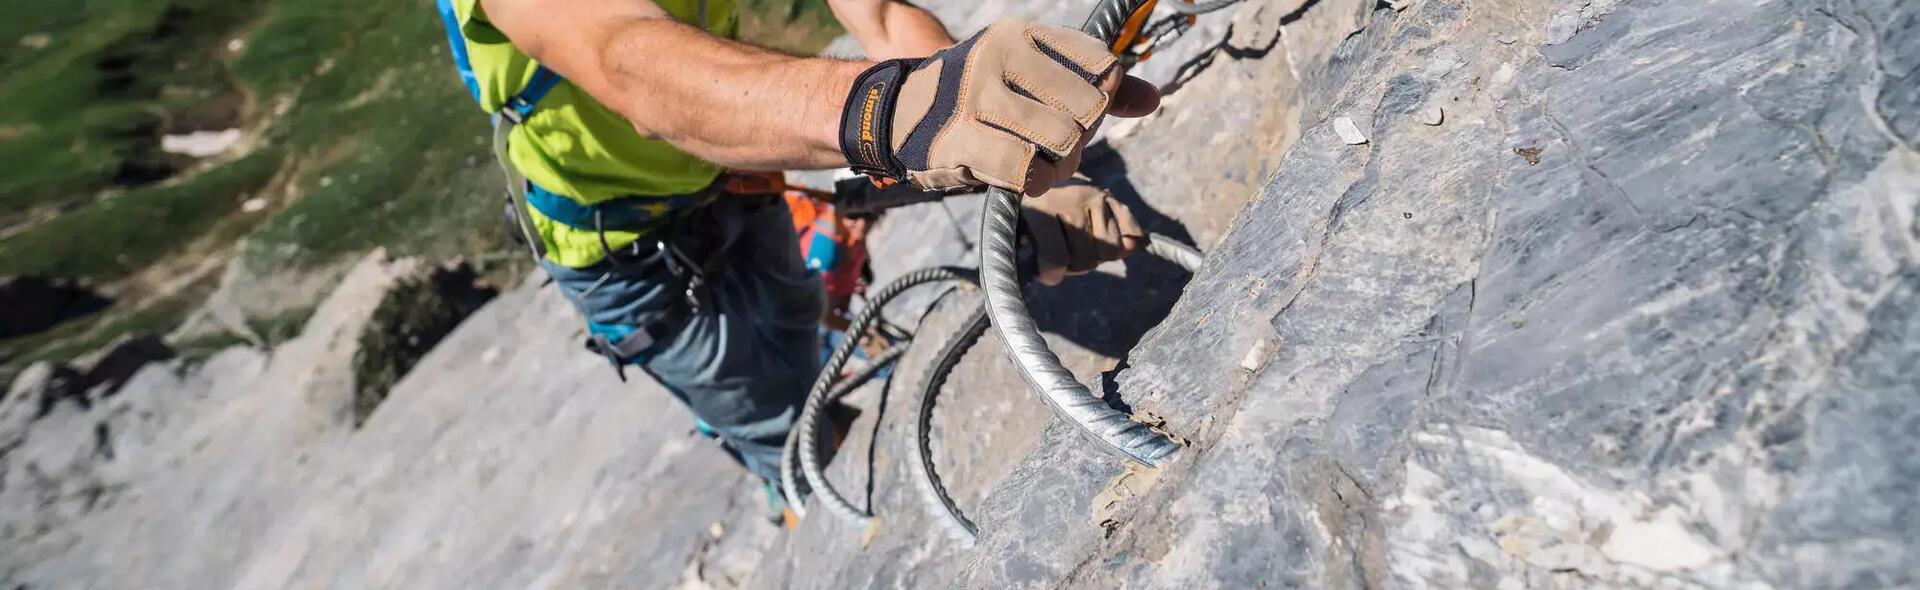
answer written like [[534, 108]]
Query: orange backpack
[[832, 245]]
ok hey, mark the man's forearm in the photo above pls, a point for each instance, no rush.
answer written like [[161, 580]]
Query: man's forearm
[[744, 107], [726, 102]]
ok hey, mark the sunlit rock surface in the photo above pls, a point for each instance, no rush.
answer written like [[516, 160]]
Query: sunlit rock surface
[[1639, 311]]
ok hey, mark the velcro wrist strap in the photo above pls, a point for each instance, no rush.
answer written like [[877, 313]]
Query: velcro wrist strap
[[866, 123]]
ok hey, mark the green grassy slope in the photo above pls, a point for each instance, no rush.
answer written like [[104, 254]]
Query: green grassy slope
[[358, 136], [358, 113], [89, 84]]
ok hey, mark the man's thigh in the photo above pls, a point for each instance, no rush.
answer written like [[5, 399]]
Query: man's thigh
[[745, 361], [748, 352], [752, 350]]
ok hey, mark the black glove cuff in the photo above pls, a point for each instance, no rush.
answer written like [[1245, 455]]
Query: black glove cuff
[[866, 122]]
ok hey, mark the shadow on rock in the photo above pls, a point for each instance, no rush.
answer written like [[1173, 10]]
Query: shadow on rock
[[120, 360], [1187, 71], [413, 317], [1108, 313], [91, 378]]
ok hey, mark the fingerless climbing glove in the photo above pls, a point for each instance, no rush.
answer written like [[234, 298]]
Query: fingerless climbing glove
[[1076, 227], [978, 112]]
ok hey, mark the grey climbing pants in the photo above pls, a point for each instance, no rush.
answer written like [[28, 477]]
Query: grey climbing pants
[[743, 357]]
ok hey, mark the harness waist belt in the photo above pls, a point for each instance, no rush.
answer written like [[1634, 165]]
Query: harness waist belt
[[621, 213], [627, 213]]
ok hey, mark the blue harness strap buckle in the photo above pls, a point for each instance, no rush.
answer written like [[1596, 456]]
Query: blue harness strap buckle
[[520, 106], [603, 346], [623, 344]]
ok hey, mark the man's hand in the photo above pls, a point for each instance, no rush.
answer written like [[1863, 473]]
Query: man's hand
[[1076, 227], [891, 29], [1011, 107]]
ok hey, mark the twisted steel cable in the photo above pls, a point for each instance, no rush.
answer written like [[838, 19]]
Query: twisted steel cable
[[932, 489], [803, 442], [1044, 374], [1038, 365], [927, 477], [1041, 369], [879, 362]]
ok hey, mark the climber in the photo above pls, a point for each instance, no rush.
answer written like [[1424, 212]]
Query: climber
[[626, 127]]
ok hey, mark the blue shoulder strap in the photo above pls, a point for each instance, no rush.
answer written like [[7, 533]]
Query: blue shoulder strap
[[512, 113], [521, 105], [518, 107], [450, 21]]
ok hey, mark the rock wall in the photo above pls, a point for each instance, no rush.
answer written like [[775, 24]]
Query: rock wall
[[1640, 311], [1184, 171]]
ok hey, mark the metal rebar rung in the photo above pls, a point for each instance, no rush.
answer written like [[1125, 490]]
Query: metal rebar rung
[[1038, 365]]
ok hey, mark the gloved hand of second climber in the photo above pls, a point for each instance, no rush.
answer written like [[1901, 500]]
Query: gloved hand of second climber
[[1077, 226], [1010, 107]]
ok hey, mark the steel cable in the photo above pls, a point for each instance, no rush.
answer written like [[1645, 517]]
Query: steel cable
[[867, 373], [928, 480], [932, 488], [1044, 374], [1038, 365], [803, 441]]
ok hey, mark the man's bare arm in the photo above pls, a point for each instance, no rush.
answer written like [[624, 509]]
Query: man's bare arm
[[890, 29], [727, 102]]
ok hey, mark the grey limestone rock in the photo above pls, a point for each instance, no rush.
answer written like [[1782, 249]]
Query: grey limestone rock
[[1643, 312], [1641, 315]]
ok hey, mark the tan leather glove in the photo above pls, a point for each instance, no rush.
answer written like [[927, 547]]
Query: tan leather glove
[[1010, 107], [1076, 227]]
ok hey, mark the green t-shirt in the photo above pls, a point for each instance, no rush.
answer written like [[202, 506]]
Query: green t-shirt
[[575, 146]]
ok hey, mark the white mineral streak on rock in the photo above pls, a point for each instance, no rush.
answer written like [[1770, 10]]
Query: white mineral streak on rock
[[1421, 517], [1349, 133], [1545, 519], [1660, 543], [1256, 356]]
